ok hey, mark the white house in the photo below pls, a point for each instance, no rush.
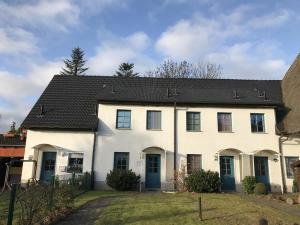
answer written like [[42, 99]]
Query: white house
[[96, 123]]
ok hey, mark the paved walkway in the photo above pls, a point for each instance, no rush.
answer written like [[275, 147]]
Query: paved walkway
[[87, 214], [283, 207]]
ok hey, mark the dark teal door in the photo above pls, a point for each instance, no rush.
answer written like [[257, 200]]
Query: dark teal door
[[152, 171], [227, 173], [48, 166], [262, 171]]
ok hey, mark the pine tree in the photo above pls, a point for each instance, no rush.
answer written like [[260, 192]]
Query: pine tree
[[13, 128], [75, 65], [126, 70]]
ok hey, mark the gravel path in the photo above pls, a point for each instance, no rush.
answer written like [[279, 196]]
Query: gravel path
[[281, 206], [87, 214]]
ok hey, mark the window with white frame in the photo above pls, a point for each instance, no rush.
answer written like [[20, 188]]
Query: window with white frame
[[75, 163], [257, 122], [224, 122], [288, 161]]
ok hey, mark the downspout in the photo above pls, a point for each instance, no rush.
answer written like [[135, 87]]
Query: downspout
[[281, 141], [175, 145], [93, 162], [94, 150]]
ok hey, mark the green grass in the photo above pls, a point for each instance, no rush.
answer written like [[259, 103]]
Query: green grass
[[164, 209]]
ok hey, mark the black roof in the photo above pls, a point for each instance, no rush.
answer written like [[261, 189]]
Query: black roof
[[11, 141], [69, 102]]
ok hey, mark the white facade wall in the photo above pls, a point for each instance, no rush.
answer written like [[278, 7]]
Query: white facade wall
[[61, 142], [208, 142], [240, 143]]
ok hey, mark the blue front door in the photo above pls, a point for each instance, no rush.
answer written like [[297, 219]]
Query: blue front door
[[227, 173], [262, 171], [48, 166], [152, 171]]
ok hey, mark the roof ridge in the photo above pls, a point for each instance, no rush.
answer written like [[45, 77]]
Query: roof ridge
[[164, 78]]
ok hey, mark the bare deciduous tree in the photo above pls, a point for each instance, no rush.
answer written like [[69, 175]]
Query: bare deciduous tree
[[184, 69]]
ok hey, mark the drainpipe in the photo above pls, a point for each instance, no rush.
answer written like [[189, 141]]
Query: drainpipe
[[281, 141], [175, 146], [93, 162], [94, 150]]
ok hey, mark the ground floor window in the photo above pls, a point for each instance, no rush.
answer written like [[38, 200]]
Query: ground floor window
[[75, 163], [288, 161], [121, 161], [193, 162]]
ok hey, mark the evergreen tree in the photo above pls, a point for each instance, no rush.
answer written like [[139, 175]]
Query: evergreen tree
[[13, 128], [75, 65], [126, 70]]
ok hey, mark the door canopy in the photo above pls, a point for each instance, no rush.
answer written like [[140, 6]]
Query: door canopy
[[265, 151], [227, 150]]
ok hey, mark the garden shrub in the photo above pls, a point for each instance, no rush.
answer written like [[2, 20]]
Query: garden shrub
[[203, 181], [33, 203], [122, 180], [249, 184], [260, 189], [295, 187], [63, 197]]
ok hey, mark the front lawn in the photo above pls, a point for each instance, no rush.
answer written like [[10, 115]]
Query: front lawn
[[154, 208]]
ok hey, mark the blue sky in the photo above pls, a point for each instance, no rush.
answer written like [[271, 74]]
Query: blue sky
[[249, 39]]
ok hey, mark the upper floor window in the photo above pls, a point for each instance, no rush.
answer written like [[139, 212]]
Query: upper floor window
[[121, 161], [153, 120], [193, 121], [288, 162], [75, 163], [224, 122], [193, 162], [123, 119], [257, 122]]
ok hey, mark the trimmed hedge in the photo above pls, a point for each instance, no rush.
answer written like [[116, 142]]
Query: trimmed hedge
[[122, 180], [203, 181], [260, 189]]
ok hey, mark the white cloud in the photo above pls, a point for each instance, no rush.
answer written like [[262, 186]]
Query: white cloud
[[17, 40], [116, 50], [225, 39], [55, 14], [18, 92], [271, 20], [97, 6], [241, 61]]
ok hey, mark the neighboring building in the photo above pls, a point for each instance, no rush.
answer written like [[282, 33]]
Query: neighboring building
[[97, 123], [12, 147], [289, 126]]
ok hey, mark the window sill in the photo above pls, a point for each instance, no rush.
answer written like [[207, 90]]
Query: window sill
[[123, 128], [154, 129], [226, 132], [259, 132], [194, 131]]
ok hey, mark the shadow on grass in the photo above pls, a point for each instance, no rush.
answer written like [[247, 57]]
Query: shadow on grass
[[227, 216], [150, 217]]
